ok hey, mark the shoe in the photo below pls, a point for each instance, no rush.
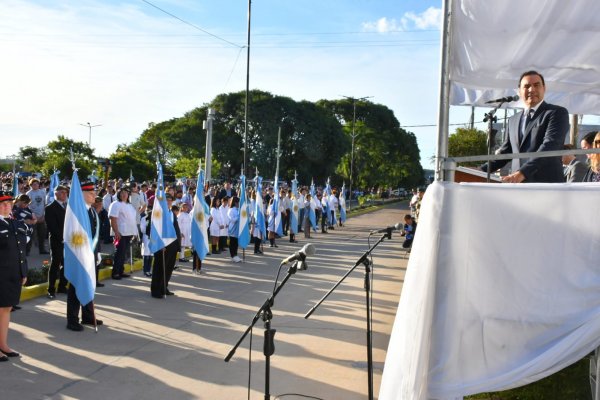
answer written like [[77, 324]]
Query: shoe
[[117, 277], [62, 290], [293, 241], [98, 322], [148, 274], [77, 327], [183, 260], [15, 308], [157, 296], [98, 284], [124, 275], [258, 252], [175, 268], [236, 259], [3, 358], [10, 353], [169, 293], [50, 296]]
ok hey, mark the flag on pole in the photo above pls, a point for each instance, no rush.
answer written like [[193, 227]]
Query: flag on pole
[[15, 184], [131, 178], [343, 204], [244, 232], [162, 230], [327, 203], [259, 212], [294, 209], [79, 263], [312, 216], [278, 224], [200, 214], [93, 177], [54, 181]]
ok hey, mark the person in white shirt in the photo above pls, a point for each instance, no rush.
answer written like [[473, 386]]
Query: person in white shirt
[[215, 225], [185, 227], [223, 209], [123, 223]]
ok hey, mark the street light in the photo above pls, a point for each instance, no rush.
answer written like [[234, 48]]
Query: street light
[[90, 126], [354, 135]]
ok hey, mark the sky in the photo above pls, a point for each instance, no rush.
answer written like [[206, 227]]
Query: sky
[[123, 64]]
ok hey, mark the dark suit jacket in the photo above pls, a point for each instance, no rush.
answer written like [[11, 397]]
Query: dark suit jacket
[[55, 221], [546, 132]]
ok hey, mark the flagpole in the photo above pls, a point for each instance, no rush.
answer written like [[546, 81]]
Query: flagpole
[[164, 265], [94, 313]]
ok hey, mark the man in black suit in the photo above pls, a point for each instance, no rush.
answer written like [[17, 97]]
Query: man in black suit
[[540, 127], [55, 221]]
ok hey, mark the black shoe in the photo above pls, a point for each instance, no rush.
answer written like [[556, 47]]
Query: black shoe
[[183, 260], [124, 275], [258, 252], [293, 241], [98, 322], [15, 308], [62, 290], [3, 358], [117, 277], [156, 296], [169, 293], [10, 353], [50, 296], [98, 284], [77, 327]]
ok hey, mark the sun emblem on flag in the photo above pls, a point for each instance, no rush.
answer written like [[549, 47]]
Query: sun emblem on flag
[[199, 216], [78, 239], [156, 214], [244, 214], [160, 198], [295, 207]]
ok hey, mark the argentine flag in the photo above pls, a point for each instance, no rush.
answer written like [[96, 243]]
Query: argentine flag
[[278, 224], [343, 204], [200, 214], [54, 181], [15, 184], [294, 211], [244, 232], [162, 230], [80, 266], [312, 216], [326, 194], [259, 211]]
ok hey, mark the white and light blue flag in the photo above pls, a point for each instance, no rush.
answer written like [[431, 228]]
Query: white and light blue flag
[[343, 204], [312, 216], [79, 262], [278, 224], [244, 232], [259, 211], [54, 181], [162, 230], [15, 186], [200, 215], [294, 209]]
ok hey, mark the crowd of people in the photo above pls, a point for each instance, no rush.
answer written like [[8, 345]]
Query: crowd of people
[[120, 215]]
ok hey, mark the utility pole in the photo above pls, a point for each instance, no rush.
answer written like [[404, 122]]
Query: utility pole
[[354, 135], [90, 126], [208, 125]]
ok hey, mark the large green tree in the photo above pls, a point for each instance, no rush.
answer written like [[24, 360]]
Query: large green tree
[[467, 142]]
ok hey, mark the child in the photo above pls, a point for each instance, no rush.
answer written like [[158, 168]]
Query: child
[[184, 220], [410, 227]]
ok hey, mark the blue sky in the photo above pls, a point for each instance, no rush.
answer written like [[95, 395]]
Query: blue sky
[[124, 64]]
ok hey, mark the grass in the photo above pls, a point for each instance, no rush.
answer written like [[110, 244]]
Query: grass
[[571, 383]]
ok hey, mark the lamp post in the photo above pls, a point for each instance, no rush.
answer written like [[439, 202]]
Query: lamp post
[[354, 135], [90, 126]]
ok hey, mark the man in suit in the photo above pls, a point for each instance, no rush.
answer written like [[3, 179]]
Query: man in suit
[[87, 311], [55, 221], [574, 169], [540, 127]]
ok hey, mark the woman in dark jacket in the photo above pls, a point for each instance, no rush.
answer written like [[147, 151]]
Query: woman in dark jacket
[[13, 268]]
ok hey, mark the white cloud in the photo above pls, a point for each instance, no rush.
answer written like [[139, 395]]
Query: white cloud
[[428, 19], [382, 25]]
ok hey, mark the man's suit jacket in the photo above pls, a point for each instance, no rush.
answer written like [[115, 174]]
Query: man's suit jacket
[[55, 221], [546, 132], [575, 171]]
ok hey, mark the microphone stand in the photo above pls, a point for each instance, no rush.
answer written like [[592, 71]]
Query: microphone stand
[[491, 118], [265, 313], [364, 259]]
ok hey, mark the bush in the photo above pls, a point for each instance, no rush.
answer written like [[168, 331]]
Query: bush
[[35, 276]]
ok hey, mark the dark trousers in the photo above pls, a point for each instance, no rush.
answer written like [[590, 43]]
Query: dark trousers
[[196, 261], [300, 219], [233, 246], [407, 243], [222, 243], [163, 269], [73, 305], [120, 254], [285, 221], [55, 271], [147, 267], [40, 232], [323, 222]]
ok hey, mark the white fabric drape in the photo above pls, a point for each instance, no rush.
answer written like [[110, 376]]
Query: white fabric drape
[[493, 42], [502, 289]]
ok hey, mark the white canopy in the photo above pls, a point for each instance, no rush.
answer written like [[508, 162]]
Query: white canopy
[[493, 42]]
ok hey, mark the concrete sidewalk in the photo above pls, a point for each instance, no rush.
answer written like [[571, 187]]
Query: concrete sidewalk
[[174, 348]]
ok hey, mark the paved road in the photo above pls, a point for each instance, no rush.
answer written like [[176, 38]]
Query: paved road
[[174, 348]]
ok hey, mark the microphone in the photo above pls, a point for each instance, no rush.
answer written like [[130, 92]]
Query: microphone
[[396, 227], [506, 99], [308, 250]]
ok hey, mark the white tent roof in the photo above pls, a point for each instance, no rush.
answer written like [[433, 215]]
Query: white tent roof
[[493, 42]]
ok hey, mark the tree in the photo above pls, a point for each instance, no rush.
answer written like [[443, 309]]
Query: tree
[[467, 142]]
